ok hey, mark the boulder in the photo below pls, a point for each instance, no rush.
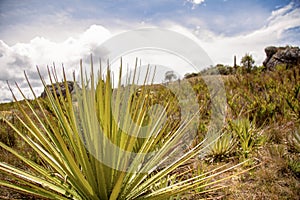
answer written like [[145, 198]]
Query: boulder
[[54, 88], [289, 56]]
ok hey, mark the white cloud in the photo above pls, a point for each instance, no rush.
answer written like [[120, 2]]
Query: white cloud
[[281, 11], [197, 1], [222, 48], [42, 51]]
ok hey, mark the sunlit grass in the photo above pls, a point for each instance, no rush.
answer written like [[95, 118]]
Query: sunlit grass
[[99, 148]]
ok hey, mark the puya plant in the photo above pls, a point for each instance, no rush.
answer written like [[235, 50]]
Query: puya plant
[[222, 147], [249, 137], [294, 139], [294, 142], [96, 148]]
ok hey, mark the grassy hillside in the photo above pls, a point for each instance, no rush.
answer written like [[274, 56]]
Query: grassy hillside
[[262, 123]]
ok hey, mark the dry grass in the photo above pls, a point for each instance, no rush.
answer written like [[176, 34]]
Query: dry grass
[[272, 179]]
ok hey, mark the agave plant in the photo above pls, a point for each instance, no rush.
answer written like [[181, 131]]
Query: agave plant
[[99, 148]]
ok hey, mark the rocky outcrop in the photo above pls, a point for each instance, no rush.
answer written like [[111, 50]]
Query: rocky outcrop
[[289, 56], [55, 89]]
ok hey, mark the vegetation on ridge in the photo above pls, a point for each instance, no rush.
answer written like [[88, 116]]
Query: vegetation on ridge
[[262, 126]]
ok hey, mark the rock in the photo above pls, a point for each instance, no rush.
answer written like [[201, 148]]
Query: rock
[[290, 56], [56, 86]]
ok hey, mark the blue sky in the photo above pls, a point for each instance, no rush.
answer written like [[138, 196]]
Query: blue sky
[[227, 17], [37, 32]]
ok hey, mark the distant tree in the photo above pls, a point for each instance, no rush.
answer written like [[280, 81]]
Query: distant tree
[[247, 62], [190, 75], [222, 69], [169, 75]]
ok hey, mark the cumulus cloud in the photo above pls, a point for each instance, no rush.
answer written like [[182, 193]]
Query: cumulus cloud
[[198, 2], [222, 48], [43, 52], [195, 3], [40, 51]]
